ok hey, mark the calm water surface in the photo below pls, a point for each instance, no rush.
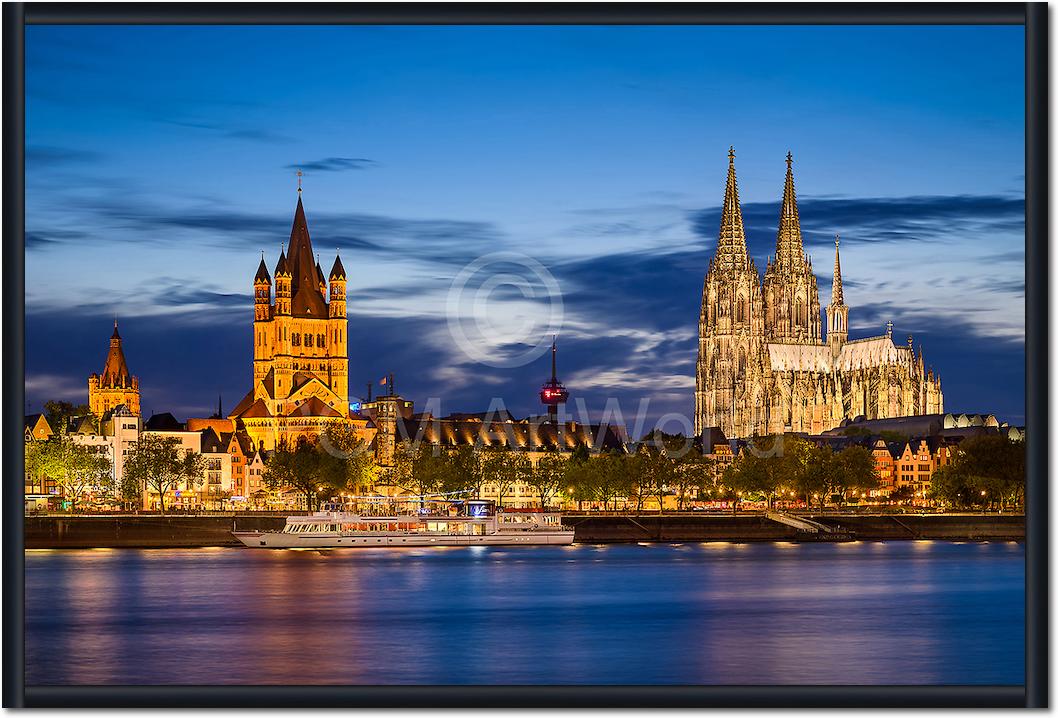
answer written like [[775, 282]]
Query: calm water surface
[[901, 612]]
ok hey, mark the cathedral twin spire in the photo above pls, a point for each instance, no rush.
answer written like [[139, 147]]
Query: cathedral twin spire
[[789, 247], [731, 244]]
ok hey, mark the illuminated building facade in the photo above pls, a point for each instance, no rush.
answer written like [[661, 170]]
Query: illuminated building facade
[[300, 350], [764, 366], [115, 386]]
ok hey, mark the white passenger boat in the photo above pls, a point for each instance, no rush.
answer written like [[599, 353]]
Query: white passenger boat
[[466, 523]]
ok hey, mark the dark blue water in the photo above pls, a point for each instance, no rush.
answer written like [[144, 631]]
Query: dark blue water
[[859, 613]]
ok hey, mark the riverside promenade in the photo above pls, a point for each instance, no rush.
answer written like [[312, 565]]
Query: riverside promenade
[[183, 531]]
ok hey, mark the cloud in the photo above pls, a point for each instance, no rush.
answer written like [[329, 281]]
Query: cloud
[[47, 156], [48, 386], [334, 164], [232, 132], [47, 238], [874, 219], [138, 220], [630, 330]]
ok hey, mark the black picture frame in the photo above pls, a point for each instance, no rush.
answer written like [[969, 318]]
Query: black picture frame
[[1033, 16]]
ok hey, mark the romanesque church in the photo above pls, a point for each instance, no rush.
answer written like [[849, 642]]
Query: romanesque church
[[300, 347], [764, 366]]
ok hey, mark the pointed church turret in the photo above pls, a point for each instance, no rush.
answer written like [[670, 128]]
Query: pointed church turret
[[731, 242], [262, 276], [282, 267], [789, 245], [791, 294], [307, 299], [337, 270], [282, 284], [320, 278], [115, 371], [837, 294], [115, 385], [262, 292], [837, 311], [337, 277]]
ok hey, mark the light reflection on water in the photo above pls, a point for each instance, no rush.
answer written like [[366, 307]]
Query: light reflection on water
[[710, 613]]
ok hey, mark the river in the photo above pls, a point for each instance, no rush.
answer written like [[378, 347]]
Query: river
[[914, 612]]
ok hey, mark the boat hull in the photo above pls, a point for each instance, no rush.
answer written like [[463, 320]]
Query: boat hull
[[261, 539]]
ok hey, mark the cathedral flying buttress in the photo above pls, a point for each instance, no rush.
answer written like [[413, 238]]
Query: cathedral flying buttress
[[764, 365]]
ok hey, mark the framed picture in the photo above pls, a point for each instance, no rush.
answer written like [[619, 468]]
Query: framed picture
[[466, 355]]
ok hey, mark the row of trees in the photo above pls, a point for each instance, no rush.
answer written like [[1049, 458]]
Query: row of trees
[[985, 472], [75, 468], [662, 466], [339, 462], [791, 466], [154, 463]]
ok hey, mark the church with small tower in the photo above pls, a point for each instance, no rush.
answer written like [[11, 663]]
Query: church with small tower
[[115, 386], [300, 346]]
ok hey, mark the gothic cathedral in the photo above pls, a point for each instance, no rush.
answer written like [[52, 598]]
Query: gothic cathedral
[[763, 364], [300, 350]]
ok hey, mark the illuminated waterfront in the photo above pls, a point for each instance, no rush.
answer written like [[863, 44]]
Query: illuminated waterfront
[[861, 612]]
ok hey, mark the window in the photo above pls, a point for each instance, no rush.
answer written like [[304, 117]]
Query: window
[[320, 340], [296, 340], [308, 340]]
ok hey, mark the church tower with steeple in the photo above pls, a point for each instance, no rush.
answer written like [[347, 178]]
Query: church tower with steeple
[[728, 390], [115, 386], [837, 312], [300, 346], [791, 295]]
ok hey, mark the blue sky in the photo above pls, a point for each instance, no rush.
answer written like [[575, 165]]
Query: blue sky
[[160, 162]]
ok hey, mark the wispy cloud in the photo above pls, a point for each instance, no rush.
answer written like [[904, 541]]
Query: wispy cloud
[[233, 132], [140, 220], [334, 164], [876, 219], [47, 156]]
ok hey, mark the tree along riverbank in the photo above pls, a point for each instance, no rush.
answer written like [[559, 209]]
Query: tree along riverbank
[[154, 531]]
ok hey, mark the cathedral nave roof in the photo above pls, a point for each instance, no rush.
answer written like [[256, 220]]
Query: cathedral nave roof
[[800, 357]]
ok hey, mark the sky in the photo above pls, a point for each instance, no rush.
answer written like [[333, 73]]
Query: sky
[[488, 187]]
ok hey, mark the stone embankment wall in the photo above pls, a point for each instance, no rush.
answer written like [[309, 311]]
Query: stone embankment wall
[[194, 531], [141, 531], [755, 527]]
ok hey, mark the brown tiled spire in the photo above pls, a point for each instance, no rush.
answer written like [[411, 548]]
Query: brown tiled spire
[[115, 371], [305, 288], [337, 270], [262, 275], [322, 280], [282, 266]]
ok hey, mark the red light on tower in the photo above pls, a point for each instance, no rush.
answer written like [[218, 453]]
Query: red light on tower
[[553, 393]]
